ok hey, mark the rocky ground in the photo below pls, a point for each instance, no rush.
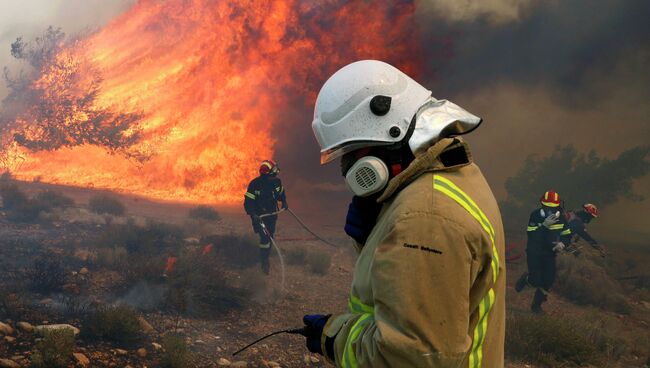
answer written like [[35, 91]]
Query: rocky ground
[[213, 340]]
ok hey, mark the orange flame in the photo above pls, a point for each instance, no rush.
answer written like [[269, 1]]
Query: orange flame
[[209, 80]]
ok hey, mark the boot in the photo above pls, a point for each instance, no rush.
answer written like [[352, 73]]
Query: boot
[[521, 282], [538, 299]]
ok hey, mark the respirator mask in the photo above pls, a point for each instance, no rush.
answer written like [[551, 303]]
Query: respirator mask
[[367, 170]]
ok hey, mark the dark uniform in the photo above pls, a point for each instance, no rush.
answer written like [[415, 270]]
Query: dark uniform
[[262, 198], [540, 254], [576, 221]]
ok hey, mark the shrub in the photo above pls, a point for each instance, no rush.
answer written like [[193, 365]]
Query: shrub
[[198, 286], [586, 283], [146, 268], [49, 199], [319, 262], [175, 353], [553, 341], [114, 323], [55, 350], [12, 196], [204, 213], [46, 275], [112, 258], [106, 204], [238, 251], [151, 238], [296, 256]]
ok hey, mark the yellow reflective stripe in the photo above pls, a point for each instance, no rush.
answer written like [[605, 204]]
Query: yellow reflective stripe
[[279, 189], [349, 358], [448, 188], [356, 306], [556, 227], [250, 195], [566, 232], [532, 228], [265, 246]]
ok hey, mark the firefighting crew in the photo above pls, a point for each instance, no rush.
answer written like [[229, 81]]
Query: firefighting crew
[[428, 288], [547, 226], [261, 204], [577, 221]]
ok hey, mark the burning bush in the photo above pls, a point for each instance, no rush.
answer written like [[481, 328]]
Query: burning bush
[[204, 213], [106, 204], [55, 350], [552, 341], [584, 282], [175, 353], [46, 275], [319, 262], [118, 324]]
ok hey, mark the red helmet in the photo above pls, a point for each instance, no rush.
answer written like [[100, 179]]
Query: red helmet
[[591, 209], [269, 167], [550, 199]]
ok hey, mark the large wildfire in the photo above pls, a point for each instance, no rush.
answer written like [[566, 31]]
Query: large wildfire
[[180, 100]]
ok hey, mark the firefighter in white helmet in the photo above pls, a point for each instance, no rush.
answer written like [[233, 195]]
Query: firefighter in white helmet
[[429, 284]]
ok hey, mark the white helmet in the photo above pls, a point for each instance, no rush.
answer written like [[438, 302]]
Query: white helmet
[[366, 103]]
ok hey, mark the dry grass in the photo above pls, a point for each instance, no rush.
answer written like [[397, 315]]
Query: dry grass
[[55, 350], [319, 262], [118, 324]]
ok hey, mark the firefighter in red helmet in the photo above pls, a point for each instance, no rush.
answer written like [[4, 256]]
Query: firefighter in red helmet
[[577, 221], [261, 204], [547, 226]]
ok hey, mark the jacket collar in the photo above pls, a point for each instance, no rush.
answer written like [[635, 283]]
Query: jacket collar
[[446, 154]]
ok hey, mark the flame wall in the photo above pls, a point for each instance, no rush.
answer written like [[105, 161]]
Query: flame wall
[[210, 80]]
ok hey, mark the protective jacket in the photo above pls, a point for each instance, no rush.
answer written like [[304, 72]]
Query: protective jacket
[[578, 229], [542, 239], [428, 288], [263, 194]]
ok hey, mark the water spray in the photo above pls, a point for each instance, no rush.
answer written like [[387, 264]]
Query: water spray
[[295, 331]]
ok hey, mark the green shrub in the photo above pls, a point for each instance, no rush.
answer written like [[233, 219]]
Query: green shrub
[[319, 262], [198, 286], [203, 212], [586, 283], [175, 353], [238, 251], [12, 196], [55, 350], [118, 324], [558, 341], [106, 204], [148, 239], [296, 256]]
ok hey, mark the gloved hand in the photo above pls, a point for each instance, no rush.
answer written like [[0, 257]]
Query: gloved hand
[[361, 218], [314, 324], [559, 246], [551, 219]]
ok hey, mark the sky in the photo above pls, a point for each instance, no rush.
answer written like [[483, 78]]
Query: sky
[[540, 73]]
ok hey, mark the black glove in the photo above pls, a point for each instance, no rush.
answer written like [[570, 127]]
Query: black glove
[[314, 324], [361, 218]]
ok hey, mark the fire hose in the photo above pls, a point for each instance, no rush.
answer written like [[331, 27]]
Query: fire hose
[[304, 226], [295, 331]]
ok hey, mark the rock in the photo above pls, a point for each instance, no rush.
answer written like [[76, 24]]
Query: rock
[[5, 329], [84, 271], [314, 359], [6, 363], [81, 359], [156, 346], [145, 326], [223, 362], [239, 364], [121, 352], [10, 339], [46, 301], [274, 364], [85, 255], [199, 342], [40, 329], [25, 327], [192, 240], [306, 359], [71, 288], [142, 352]]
